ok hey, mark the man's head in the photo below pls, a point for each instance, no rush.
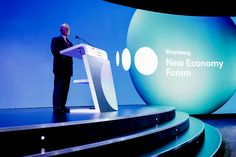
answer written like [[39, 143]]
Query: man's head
[[65, 29]]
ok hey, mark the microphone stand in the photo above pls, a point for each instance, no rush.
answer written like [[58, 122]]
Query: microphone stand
[[79, 38]]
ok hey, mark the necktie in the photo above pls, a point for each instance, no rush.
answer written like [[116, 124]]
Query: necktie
[[67, 42]]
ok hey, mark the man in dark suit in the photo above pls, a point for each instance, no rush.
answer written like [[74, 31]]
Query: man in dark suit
[[62, 69]]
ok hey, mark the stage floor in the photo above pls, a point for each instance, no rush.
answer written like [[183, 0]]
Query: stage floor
[[33, 116]]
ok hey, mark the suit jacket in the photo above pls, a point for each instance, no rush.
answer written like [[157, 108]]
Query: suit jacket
[[62, 65]]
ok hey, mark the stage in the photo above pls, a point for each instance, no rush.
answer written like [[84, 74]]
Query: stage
[[154, 131], [33, 116]]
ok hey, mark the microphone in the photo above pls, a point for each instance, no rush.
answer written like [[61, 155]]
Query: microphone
[[79, 38]]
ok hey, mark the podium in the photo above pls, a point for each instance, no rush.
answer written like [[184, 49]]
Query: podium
[[99, 75]]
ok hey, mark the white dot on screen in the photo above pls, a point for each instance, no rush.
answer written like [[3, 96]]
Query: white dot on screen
[[117, 58], [146, 61], [126, 59]]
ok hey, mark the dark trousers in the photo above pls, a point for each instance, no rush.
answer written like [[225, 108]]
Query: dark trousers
[[60, 91]]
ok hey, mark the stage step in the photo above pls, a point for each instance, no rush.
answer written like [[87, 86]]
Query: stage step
[[200, 140], [129, 144], [132, 131], [212, 143], [31, 139], [188, 142]]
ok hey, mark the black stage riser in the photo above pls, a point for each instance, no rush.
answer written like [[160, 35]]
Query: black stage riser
[[128, 146]]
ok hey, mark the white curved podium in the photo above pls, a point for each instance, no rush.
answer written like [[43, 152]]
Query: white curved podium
[[99, 75]]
